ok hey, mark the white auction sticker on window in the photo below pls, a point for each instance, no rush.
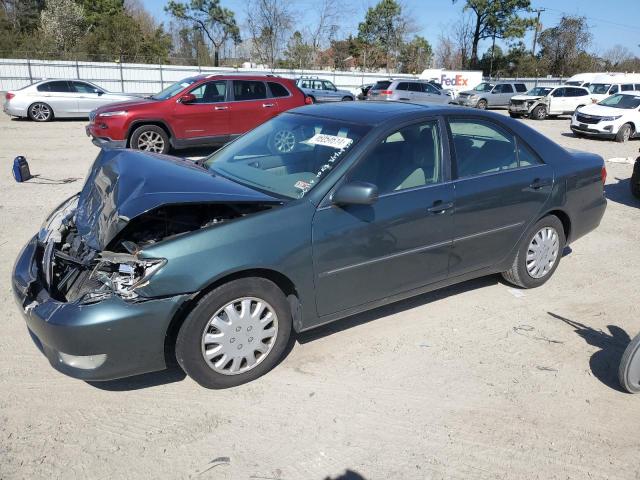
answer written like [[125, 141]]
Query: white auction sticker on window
[[330, 141]]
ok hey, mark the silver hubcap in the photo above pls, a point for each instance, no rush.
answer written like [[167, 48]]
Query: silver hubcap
[[151, 142], [239, 336], [542, 252], [284, 141], [40, 112]]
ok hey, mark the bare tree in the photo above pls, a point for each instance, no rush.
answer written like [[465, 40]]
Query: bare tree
[[463, 37], [618, 55], [269, 23]]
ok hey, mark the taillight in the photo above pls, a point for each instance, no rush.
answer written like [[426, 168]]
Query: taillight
[[9, 95], [386, 92], [603, 174], [308, 101]]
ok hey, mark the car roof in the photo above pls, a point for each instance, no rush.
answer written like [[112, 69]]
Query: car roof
[[373, 112]]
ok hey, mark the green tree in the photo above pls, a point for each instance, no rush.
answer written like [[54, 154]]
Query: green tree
[[97, 11], [383, 31], [216, 22], [415, 55], [299, 53], [563, 47], [63, 23], [496, 19]]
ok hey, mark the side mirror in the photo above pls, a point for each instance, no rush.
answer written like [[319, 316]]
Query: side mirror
[[355, 193], [187, 98]]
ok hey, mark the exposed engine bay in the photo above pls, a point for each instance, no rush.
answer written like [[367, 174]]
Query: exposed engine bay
[[75, 271]]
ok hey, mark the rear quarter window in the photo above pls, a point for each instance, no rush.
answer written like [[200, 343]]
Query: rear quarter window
[[278, 90]]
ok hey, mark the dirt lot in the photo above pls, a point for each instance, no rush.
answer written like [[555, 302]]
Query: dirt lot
[[476, 381]]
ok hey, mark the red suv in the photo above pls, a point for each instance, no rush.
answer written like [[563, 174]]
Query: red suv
[[197, 111]]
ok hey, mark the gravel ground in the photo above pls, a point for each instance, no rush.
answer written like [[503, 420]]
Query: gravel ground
[[474, 381]]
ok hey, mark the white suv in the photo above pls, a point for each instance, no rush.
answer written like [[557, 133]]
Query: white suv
[[541, 102], [616, 117]]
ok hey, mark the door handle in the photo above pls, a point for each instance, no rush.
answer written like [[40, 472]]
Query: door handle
[[538, 183], [439, 207], [221, 108], [267, 105]]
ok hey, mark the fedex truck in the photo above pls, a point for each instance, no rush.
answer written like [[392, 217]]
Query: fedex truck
[[456, 80]]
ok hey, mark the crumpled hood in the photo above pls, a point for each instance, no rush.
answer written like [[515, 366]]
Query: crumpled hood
[[526, 97], [123, 184]]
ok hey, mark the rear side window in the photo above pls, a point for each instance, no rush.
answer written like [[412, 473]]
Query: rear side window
[[627, 87], [520, 87], [614, 89], [381, 85], [249, 90], [402, 86], [415, 87], [278, 90], [482, 147], [506, 88], [58, 86]]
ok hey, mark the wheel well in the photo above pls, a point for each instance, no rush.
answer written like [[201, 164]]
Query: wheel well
[[140, 123], [566, 222], [283, 283]]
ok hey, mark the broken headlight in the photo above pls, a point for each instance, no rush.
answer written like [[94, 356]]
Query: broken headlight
[[119, 274]]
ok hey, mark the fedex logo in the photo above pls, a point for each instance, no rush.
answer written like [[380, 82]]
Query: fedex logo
[[457, 81]]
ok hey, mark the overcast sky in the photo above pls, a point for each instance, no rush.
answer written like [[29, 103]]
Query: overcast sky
[[612, 22]]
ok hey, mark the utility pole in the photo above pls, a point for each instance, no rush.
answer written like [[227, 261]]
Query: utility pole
[[535, 33]]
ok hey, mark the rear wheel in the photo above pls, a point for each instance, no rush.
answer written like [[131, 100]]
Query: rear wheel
[[635, 180], [538, 254], [482, 104], [347, 99], [624, 134], [40, 112], [629, 370], [539, 113], [312, 98], [235, 334], [150, 138]]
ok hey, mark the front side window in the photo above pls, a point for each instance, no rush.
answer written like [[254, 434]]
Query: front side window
[[482, 147], [484, 87], [559, 92], [520, 87], [428, 88], [407, 158], [287, 156], [614, 89], [539, 91], [249, 90], [81, 87], [210, 92], [599, 88], [329, 85]]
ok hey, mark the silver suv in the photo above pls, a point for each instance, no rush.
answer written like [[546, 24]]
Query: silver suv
[[419, 91], [489, 94], [319, 90]]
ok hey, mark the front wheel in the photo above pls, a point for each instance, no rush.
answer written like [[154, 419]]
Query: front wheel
[[235, 334], [629, 370], [150, 138], [347, 99], [538, 254], [482, 105], [624, 134], [539, 113], [635, 180]]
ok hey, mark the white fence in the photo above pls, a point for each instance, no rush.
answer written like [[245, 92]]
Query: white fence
[[142, 78]]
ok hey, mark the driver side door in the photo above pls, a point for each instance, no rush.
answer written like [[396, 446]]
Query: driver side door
[[206, 118], [364, 253], [88, 96]]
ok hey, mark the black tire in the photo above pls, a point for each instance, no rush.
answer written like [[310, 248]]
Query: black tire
[[629, 369], [578, 134], [158, 140], [189, 347], [482, 104], [40, 112], [624, 133], [313, 99], [515, 115], [635, 180], [518, 274], [347, 99], [539, 113]]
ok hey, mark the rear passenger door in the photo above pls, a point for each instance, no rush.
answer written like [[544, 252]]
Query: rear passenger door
[[502, 95], [501, 187], [250, 106], [59, 95]]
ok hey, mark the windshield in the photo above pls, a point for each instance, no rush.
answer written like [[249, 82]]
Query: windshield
[[628, 102], [174, 89], [599, 88], [381, 85], [287, 156], [539, 91], [574, 83], [484, 87]]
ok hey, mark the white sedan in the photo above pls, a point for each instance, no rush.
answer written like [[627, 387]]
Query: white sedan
[[48, 99], [616, 117]]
